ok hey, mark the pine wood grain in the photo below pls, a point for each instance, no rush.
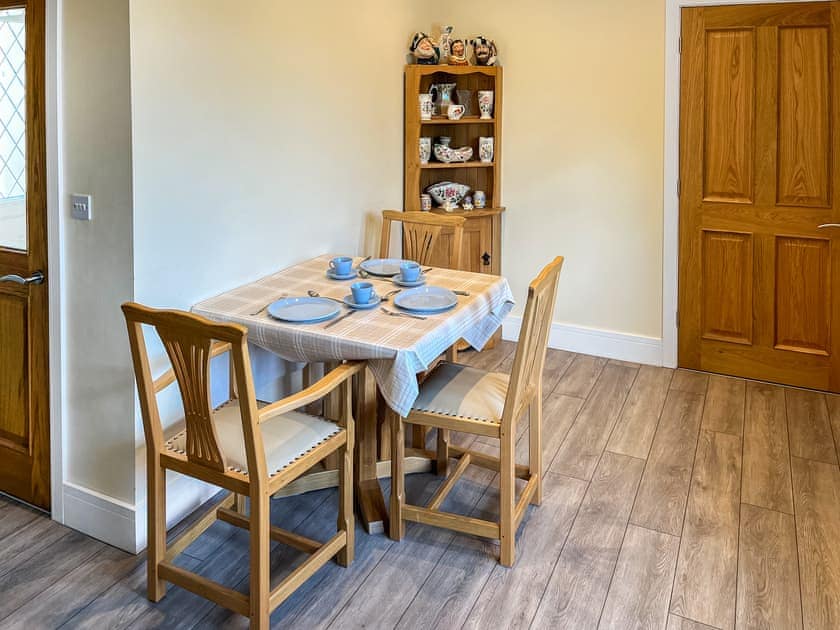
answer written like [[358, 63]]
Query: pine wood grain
[[833, 403], [641, 586], [725, 401], [490, 359], [580, 377], [660, 502], [675, 622], [578, 586], [633, 433], [768, 575], [809, 427], [766, 478], [817, 497], [704, 587], [579, 454]]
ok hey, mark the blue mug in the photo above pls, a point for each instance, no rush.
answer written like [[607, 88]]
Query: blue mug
[[342, 265], [362, 292], [410, 271]]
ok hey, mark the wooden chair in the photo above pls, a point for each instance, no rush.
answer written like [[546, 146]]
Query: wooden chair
[[249, 451], [460, 398], [420, 234]]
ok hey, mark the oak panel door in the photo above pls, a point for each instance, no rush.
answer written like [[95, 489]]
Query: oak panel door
[[759, 175], [24, 371]]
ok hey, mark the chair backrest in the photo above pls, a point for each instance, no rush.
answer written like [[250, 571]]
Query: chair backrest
[[420, 233], [529, 360], [190, 342]]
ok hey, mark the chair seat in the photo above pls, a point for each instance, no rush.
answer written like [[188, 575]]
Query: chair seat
[[465, 392], [286, 438]]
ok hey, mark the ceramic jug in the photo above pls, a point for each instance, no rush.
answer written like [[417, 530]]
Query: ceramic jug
[[442, 94]]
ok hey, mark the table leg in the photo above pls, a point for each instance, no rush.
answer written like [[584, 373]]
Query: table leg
[[368, 493]]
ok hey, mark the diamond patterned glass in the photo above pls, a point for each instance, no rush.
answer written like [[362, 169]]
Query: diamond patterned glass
[[12, 129]]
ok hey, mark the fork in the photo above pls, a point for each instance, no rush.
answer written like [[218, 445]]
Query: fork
[[267, 305], [395, 314]]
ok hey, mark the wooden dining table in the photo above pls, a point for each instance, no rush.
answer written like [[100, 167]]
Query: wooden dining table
[[396, 348]]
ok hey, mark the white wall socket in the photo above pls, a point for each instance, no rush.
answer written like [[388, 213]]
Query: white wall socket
[[81, 207]]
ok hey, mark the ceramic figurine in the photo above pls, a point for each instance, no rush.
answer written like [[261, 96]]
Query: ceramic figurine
[[424, 49], [485, 104], [425, 150], [458, 53], [427, 107], [468, 203], [479, 198], [455, 112], [485, 51], [485, 149], [445, 43], [442, 94]]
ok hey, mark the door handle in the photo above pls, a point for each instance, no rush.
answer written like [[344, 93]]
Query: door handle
[[828, 225], [35, 278]]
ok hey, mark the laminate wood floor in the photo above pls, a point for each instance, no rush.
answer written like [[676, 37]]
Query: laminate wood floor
[[672, 500]]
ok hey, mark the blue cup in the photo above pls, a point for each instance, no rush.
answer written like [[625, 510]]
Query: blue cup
[[362, 292], [410, 271], [342, 265]]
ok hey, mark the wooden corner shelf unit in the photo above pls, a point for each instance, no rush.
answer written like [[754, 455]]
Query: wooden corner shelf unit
[[483, 230]]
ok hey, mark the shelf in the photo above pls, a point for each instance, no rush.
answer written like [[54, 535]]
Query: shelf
[[470, 164], [466, 120], [477, 212]]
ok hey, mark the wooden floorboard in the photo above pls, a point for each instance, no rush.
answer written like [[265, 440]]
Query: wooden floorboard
[[704, 587], [673, 499], [660, 504]]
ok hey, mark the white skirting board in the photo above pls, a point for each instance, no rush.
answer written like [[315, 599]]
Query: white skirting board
[[602, 343], [124, 525]]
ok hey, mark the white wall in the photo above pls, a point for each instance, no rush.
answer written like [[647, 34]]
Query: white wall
[[98, 271]]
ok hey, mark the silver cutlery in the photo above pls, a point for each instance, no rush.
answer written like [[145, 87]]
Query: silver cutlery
[[396, 314], [459, 292], [364, 260], [427, 269], [267, 305], [313, 293], [345, 316], [390, 294]]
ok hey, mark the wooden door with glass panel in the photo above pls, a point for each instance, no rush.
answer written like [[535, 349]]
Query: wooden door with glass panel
[[24, 371], [759, 178]]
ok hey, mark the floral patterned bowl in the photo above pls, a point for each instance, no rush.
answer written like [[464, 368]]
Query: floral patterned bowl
[[447, 154], [452, 192]]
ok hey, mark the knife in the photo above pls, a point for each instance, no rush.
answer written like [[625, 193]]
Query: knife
[[345, 316]]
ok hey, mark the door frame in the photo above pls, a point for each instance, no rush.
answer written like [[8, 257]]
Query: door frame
[[671, 200]]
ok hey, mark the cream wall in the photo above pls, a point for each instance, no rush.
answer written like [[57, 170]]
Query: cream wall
[[97, 255], [582, 158]]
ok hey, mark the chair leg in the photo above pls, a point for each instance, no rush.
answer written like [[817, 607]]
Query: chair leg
[[507, 500], [418, 436], [442, 467], [397, 526], [260, 561], [535, 447], [346, 520], [156, 482], [240, 504]]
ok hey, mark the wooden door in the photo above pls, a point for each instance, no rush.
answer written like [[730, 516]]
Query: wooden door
[[477, 242], [759, 173], [24, 371]]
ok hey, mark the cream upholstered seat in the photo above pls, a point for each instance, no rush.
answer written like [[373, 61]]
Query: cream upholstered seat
[[464, 392], [286, 438]]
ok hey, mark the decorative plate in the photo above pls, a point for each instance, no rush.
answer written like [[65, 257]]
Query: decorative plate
[[385, 267], [304, 310], [426, 300]]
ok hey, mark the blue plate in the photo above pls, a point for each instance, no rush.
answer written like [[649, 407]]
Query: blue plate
[[414, 283], [385, 267], [426, 300], [332, 275], [304, 310], [374, 302]]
